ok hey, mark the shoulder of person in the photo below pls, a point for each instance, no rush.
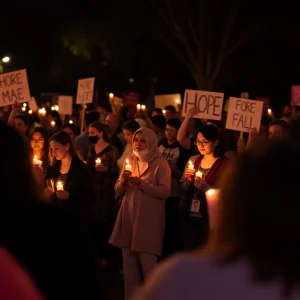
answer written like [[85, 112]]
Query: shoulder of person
[[194, 158]]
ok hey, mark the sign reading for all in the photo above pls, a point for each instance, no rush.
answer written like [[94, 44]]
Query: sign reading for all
[[85, 90], [14, 87], [244, 114], [209, 104]]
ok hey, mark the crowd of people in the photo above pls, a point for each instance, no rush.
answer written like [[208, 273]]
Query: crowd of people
[[139, 182]]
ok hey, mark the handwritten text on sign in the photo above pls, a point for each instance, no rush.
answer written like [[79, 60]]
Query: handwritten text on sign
[[244, 114], [14, 87], [85, 90], [209, 104]]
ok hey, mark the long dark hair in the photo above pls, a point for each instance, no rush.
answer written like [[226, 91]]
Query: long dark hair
[[45, 151], [18, 184], [63, 138], [259, 213], [101, 128]]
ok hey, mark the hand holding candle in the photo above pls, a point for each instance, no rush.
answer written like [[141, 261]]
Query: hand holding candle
[[198, 174], [37, 162], [189, 172], [128, 166]]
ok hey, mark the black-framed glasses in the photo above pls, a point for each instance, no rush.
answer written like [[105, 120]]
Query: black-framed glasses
[[204, 143]]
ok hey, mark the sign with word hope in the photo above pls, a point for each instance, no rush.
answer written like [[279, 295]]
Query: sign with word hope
[[85, 90], [14, 87], [65, 104], [209, 103], [244, 114]]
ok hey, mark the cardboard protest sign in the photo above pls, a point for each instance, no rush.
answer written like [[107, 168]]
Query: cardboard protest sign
[[209, 103], [161, 101], [32, 104], [14, 87], [85, 90], [65, 104], [131, 98], [244, 114]]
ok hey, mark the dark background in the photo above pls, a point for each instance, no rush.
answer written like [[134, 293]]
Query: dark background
[[59, 42]]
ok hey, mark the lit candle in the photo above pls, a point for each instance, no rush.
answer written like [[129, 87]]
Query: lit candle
[[71, 122], [24, 108], [56, 107], [190, 165], [212, 199], [42, 111], [52, 123], [164, 111], [143, 107], [30, 111], [128, 166], [111, 96], [52, 108], [98, 161], [138, 106], [199, 174], [269, 111], [59, 186], [37, 162]]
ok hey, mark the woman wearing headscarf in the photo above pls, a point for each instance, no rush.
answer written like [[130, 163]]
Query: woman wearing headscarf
[[144, 184]]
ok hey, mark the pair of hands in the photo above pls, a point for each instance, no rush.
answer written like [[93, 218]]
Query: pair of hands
[[189, 175], [64, 195], [127, 178]]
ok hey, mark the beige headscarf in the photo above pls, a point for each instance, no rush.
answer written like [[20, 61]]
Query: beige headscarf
[[152, 143]]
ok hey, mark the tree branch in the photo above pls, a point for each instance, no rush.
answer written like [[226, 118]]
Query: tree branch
[[197, 42], [189, 63]]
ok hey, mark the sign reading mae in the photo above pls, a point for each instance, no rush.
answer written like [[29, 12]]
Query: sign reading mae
[[85, 90], [209, 104], [244, 114], [14, 87]]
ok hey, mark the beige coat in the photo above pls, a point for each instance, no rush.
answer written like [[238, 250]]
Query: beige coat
[[141, 219]]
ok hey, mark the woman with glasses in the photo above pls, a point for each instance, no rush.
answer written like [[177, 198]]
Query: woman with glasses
[[200, 175]]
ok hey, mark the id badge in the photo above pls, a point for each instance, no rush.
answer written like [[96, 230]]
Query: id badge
[[195, 207]]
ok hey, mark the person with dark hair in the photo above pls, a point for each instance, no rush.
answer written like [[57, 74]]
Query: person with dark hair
[[253, 252], [82, 141], [203, 175], [156, 112], [158, 126], [70, 129], [113, 124], [22, 124], [176, 157], [279, 129], [102, 165], [44, 240], [71, 188], [170, 112], [129, 128]]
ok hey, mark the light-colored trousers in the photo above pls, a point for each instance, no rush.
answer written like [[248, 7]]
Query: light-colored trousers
[[132, 261]]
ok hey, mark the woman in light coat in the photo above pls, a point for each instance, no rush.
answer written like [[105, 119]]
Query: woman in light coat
[[139, 229]]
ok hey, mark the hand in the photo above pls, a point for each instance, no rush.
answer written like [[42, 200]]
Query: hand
[[136, 181], [16, 107], [189, 174], [125, 176], [241, 145], [62, 194], [192, 111], [200, 183], [49, 192], [101, 168]]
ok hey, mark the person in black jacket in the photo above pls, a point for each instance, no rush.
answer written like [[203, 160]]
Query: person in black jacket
[[68, 178], [50, 245]]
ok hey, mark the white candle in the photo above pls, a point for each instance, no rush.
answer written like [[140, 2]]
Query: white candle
[[128, 166], [59, 186], [212, 199], [143, 107], [138, 106], [37, 162], [111, 95], [42, 111], [269, 111], [199, 174], [190, 165], [98, 161], [52, 123]]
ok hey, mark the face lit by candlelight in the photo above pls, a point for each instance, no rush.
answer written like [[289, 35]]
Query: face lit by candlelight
[[58, 150], [37, 142], [20, 126], [205, 146], [139, 142]]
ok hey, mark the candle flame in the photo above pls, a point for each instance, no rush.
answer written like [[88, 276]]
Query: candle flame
[[59, 183], [127, 161], [35, 157], [210, 192]]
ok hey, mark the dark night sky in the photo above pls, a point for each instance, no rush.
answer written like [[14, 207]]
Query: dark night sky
[[268, 66]]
